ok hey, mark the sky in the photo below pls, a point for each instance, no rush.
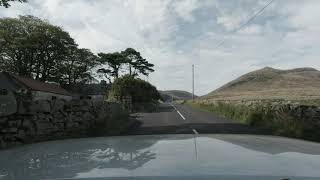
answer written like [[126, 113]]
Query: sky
[[174, 34]]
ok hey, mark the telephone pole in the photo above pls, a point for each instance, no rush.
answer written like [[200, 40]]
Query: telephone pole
[[192, 82]]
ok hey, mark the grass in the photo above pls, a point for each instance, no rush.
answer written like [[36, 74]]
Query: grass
[[283, 123], [237, 113]]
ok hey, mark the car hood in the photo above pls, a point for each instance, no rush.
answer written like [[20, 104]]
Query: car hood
[[162, 155]]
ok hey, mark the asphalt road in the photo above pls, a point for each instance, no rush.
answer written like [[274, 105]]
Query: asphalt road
[[183, 119]]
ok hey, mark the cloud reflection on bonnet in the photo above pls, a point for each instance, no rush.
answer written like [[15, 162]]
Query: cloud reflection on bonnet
[[161, 155]]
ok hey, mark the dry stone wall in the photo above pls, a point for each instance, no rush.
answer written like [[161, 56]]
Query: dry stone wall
[[300, 111], [46, 120], [284, 117]]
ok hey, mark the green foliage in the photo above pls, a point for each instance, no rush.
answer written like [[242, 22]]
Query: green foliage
[[127, 60], [264, 117], [114, 61], [77, 67], [137, 64], [141, 92], [34, 48], [6, 3]]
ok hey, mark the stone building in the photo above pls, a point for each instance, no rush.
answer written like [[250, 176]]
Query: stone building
[[11, 85]]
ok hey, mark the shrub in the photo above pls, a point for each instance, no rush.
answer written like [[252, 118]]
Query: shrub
[[143, 94]]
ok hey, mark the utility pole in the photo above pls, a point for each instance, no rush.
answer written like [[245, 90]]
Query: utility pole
[[192, 82]]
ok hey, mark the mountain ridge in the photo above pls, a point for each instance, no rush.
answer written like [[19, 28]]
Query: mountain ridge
[[271, 83]]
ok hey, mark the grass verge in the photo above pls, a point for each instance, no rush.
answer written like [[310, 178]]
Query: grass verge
[[281, 122]]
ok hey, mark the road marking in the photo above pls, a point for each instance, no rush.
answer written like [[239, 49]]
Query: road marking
[[195, 131], [178, 112], [173, 107], [195, 142], [181, 115]]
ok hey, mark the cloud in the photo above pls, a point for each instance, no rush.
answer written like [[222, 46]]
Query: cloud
[[252, 30], [186, 8], [176, 34]]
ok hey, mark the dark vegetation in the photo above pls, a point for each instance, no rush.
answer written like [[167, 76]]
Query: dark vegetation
[[34, 48], [115, 122], [6, 3], [144, 96], [279, 119], [130, 61], [31, 47]]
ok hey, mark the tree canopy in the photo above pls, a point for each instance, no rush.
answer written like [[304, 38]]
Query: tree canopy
[[34, 48], [6, 3], [113, 61], [128, 61], [137, 64]]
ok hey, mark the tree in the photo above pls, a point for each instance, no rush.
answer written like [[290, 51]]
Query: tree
[[34, 48], [107, 73], [6, 3], [137, 63], [77, 67], [114, 61], [14, 42]]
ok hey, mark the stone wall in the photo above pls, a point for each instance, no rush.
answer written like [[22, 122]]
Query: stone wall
[[8, 103], [283, 117], [46, 120], [301, 112]]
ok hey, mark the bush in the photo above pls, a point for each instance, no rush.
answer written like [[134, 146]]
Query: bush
[[143, 94]]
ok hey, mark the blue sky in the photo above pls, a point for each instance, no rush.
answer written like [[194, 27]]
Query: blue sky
[[176, 34]]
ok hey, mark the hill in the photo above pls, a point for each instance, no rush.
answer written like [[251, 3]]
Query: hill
[[176, 95], [270, 83]]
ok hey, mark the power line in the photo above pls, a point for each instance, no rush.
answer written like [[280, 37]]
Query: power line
[[257, 13]]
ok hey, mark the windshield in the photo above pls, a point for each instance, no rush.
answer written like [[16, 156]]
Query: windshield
[[135, 70]]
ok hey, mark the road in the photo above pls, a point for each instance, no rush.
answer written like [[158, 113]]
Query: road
[[180, 119]]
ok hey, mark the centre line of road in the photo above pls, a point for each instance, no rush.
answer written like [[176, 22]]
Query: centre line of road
[[195, 131], [178, 112], [181, 115]]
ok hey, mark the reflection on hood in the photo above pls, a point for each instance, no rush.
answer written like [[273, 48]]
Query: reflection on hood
[[172, 155]]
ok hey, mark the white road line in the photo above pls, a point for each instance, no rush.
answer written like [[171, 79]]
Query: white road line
[[195, 131], [174, 107], [181, 115], [178, 112]]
